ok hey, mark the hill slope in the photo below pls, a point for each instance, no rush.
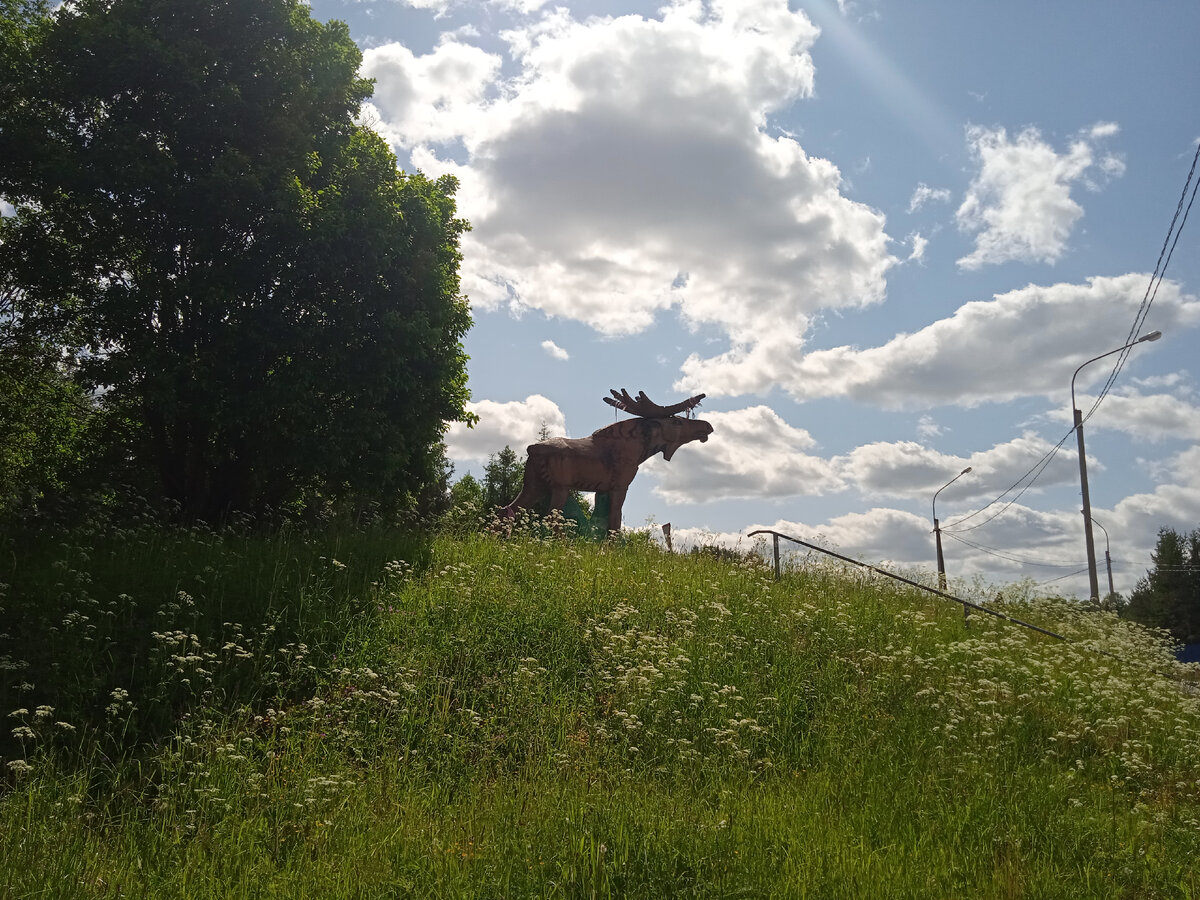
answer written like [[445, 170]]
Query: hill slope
[[532, 717]]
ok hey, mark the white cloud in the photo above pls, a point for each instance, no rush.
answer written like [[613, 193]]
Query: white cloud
[[524, 7], [516, 424], [625, 168], [927, 427], [908, 469], [432, 98], [1019, 205], [1154, 417], [1021, 343], [1024, 543], [924, 194], [751, 453], [879, 535], [555, 351], [1175, 504], [903, 542], [1180, 382], [918, 247]]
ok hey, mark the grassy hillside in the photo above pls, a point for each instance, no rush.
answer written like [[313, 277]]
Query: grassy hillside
[[364, 715]]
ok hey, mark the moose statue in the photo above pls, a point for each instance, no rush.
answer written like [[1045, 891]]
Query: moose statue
[[608, 459]]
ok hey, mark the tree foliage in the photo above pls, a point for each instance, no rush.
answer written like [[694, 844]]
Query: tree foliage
[[1169, 595], [467, 491], [502, 478], [257, 290], [43, 419]]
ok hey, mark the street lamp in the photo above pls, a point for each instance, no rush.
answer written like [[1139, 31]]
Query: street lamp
[[937, 531], [1093, 580], [1107, 558]]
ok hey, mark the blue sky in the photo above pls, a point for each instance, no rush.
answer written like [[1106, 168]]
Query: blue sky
[[879, 235]]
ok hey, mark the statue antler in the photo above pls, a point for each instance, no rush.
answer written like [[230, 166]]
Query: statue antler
[[646, 408]]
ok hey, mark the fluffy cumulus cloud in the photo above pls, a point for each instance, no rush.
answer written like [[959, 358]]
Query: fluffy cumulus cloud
[[757, 456], [517, 424], [1173, 504], [1019, 205], [626, 166], [1154, 417], [908, 469], [435, 98], [1021, 343]]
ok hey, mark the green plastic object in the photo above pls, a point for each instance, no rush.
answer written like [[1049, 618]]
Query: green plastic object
[[595, 526]]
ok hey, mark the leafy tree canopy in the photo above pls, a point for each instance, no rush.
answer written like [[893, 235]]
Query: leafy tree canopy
[[270, 305]]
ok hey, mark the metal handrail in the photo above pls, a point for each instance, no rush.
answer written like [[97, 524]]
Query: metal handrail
[[966, 604]]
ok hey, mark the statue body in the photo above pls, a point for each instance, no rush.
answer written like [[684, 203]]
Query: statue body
[[606, 461]]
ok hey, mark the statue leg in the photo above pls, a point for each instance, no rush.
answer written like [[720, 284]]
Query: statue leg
[[532, 490], [616, 499], [523, 500]]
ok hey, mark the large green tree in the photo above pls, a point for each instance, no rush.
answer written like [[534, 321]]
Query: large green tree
[[268, 302], [1169, 595]]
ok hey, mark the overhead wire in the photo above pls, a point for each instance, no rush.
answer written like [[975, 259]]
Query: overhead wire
[[1036, 471], [1061, 577], [1160, 268], [1004, 554], [1156, 278]]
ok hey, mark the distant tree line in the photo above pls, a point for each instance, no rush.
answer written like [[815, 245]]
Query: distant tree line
[[215, 285], [1169, 594]]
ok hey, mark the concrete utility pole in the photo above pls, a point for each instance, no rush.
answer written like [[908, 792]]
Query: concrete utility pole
[[937, 529], [1093, 580], [1107, 558]]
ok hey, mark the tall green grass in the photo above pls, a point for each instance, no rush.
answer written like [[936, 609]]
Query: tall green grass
[[530, 716]]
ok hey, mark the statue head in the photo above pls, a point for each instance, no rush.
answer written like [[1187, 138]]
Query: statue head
[[645, 437], [668, 435]]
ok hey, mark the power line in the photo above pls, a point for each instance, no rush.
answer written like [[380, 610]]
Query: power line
[[1160, 268], [1061, 577], [1002, 554], [1036, 471]]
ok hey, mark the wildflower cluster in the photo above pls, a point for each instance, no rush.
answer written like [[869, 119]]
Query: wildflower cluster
[[654, 701]]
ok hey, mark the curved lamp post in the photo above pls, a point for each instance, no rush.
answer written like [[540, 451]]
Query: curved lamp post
[[1107, 557], [1093, 581], [937, 531]]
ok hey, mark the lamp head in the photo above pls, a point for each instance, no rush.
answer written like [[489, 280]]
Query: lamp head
[[1152, 336], [965, 471]]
